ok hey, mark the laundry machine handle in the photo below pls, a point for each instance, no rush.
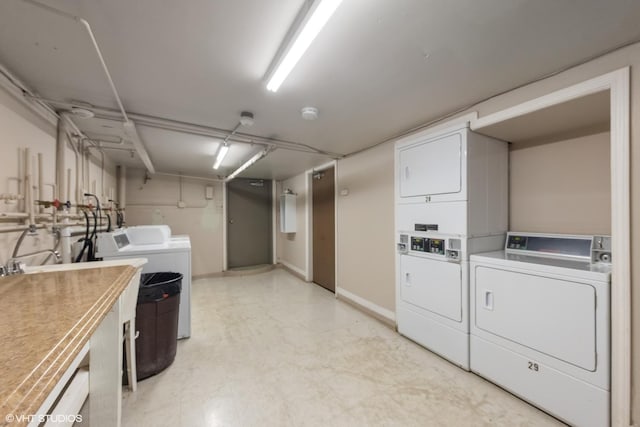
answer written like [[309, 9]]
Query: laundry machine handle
[[487, 302]]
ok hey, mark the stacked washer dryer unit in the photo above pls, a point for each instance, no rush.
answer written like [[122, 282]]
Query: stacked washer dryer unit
[[451, 201], [540, 322]]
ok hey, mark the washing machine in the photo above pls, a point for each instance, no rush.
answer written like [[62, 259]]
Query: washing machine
[[540, 322], [163, 251]]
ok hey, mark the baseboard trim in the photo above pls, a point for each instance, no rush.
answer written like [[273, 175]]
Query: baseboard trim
[[384, 315], [299, 273], [207, 275]]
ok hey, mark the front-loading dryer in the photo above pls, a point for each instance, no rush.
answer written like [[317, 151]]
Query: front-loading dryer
[[539, 323]]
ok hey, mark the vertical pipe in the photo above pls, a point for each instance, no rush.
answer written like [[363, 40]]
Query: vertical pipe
[[28, 186], [87, 164], [78, 166], [60, 151], [65, 244], [40, 182], [22, 187], [122, 184], [102, 186], [67, 195]]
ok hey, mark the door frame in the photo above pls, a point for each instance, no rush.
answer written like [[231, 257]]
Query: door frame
[[225, 206], [225, 261], [617, 82], [274, 226], [309, 217]]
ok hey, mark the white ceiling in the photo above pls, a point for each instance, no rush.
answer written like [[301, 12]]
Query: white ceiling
[[378, 68]]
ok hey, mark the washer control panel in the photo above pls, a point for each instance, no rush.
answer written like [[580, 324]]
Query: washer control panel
[[594, 249]]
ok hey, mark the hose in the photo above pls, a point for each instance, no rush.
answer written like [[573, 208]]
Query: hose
[[108, 222], [16, 248], [86, 236], [91, 255], [55, 248]]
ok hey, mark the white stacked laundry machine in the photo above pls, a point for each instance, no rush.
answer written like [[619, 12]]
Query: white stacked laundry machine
[[451, 200]]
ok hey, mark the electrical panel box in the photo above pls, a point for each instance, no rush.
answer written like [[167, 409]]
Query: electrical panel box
[[288, 213], [208, 192]]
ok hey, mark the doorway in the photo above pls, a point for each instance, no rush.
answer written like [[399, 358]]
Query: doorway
[[249, 222], [324, 225]]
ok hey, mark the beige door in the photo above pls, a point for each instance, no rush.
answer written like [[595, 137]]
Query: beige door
[[324, 223]]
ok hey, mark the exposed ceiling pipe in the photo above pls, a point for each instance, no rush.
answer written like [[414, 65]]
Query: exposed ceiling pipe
[[195, 129], [86, 25], [131, 131], [128, 124], [201, 178], [16, 83]]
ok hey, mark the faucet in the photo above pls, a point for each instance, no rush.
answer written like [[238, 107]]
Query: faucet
[[14, 266]]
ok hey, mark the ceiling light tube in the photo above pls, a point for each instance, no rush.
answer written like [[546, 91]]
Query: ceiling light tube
[[248, 163], [316, 18], [222, 152]]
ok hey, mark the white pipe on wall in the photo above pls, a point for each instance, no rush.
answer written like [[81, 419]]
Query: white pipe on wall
[[13, 215], [40, 182], [22, 188], [61, 140], [28, 186], [16, 228], [122, 185], [67, 195]]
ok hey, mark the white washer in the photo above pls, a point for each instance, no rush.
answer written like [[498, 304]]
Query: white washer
[[540, 323], [164, 254]]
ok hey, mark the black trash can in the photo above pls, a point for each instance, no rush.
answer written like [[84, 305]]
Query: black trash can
[[157, 322]]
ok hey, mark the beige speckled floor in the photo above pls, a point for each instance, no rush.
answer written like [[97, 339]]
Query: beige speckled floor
[[271, 350]]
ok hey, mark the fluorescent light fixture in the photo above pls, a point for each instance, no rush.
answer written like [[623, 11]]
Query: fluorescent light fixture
[[248, 163], [222, 152], [316, 18]]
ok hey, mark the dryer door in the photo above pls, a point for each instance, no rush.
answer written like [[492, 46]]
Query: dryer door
[[553, 316], [433, 167], [435, 286]]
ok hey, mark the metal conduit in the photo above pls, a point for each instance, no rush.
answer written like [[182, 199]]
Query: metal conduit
[[196, 129]]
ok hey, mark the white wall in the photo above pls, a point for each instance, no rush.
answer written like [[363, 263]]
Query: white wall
[[156, 202], [365, 244], [550, 185]]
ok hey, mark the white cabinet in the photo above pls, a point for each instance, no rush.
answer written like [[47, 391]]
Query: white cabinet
[[288, 213]]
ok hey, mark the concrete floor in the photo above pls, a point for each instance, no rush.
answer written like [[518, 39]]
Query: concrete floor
[[272, 350]]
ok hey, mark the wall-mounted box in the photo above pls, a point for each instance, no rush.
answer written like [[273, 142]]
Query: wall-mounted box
[[288, 213], [208, 192]]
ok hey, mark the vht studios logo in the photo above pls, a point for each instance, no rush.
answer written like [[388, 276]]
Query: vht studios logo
[[41, 418]]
